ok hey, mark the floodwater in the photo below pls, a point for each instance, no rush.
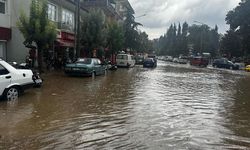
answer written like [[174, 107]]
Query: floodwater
[[169, 107]]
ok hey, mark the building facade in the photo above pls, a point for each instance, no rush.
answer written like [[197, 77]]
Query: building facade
[[5, 27], [61, 12], [123, 7], [108, 7]]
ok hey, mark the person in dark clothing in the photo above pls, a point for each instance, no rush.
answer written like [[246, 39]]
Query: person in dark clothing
[[32, 56]]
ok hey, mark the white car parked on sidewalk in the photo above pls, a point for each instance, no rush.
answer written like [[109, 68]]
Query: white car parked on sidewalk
[[14, 81]]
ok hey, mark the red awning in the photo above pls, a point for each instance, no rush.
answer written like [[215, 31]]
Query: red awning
[[62, 43], [5, 33]]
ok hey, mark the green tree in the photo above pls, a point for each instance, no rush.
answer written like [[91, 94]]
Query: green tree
[[213, 42], [184, 44], [131, 33], [239, 22], [231, 45], [37, 28], [94, 32], [115, 38], [199, 38], [144, 44]]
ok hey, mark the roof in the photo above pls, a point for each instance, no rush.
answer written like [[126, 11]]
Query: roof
[[127, 5]]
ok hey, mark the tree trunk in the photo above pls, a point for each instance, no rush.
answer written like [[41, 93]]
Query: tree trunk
[[40, 58]]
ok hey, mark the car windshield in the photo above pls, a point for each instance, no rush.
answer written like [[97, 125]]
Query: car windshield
[[84, 61], [148, 60], [122, 57]]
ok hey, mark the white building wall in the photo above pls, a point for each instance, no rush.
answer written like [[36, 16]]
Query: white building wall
[[16, 51]]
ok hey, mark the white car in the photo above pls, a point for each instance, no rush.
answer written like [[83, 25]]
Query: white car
[[14, 81]]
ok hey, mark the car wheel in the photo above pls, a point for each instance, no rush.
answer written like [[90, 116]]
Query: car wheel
[[12, 93]]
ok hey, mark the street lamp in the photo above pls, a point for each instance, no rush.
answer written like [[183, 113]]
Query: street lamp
[[141, 16]]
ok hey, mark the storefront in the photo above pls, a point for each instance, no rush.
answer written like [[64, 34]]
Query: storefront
[[64, 45], [4, 37]]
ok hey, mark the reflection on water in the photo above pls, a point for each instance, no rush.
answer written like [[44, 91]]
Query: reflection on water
[[170, 107]]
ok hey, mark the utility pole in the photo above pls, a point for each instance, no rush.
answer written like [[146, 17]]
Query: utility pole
[[78, 30]]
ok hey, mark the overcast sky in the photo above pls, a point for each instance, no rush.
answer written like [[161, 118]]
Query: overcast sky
[[161, 13]]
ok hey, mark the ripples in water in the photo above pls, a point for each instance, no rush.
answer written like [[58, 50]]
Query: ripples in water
[[170, 107]]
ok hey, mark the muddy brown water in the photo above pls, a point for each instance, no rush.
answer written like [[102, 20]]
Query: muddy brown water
[[169, 107]]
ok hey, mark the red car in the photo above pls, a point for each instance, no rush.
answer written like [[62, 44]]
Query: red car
[[199, 61]]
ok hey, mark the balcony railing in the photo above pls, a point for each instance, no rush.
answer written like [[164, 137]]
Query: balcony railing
[[65, 26], [106, 4]]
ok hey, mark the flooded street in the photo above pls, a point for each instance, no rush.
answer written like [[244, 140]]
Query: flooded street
[[169, 107]]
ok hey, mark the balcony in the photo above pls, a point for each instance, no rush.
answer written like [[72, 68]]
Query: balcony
[[108, 6], [65, 27]]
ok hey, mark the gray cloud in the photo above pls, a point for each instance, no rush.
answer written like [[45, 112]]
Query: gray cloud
[[161, 13]]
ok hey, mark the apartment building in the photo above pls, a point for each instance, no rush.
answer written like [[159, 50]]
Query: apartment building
[[123, 7], [108, 7], [5, 27], [61, 12]]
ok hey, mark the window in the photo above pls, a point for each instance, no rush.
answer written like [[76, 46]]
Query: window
[[52, 12], [3, 6], [125, 57], [3, 71], [68, 17]]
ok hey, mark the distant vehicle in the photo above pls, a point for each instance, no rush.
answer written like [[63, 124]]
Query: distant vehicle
[[14, 81], [183, 60], [85, 67], [225, 63], [169, 58], [199, 61], [176, 60], [149, 63], [125, 60], [139, 60], [247, 68], [154, 57]]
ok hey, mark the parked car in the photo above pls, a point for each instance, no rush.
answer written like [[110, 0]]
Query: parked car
[[199, 61], [154, 57], [85, 67], [125, 60], [225, 63], [183, 60], [247, 68], [176, 60], [14, 81], [169, 58], [149, 63]]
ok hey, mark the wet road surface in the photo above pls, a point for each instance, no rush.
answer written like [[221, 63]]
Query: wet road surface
[[169, 107]]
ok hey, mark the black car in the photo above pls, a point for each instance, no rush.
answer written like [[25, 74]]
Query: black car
[[149, 63], [225, 63]]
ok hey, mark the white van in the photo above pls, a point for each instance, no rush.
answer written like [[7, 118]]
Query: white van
[[125, 60]]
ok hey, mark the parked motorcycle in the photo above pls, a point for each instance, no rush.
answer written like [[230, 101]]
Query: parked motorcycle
[[111, 66]]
